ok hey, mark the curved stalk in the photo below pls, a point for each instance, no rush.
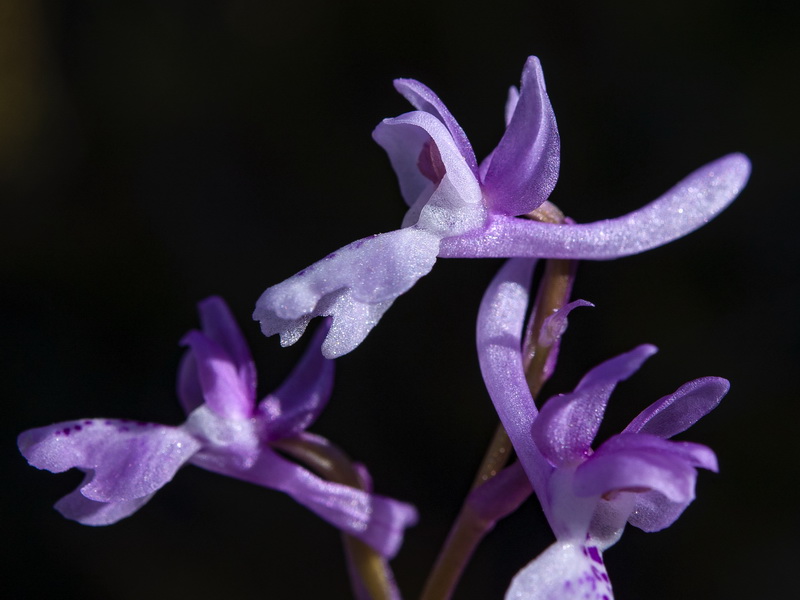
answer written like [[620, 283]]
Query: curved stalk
[[333, 464]]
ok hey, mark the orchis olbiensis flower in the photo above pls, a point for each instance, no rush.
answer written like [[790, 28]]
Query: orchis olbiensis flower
[[637, 476], [459, 208], [126, 462]]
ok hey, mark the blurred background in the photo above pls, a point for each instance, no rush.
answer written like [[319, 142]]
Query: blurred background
[[155, 153]]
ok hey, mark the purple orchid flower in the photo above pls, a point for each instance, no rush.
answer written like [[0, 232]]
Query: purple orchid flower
[[637, 476], [126, 462], [459, 208]]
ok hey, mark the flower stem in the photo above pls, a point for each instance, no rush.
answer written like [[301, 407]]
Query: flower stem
[[334, 465], [469, 528]]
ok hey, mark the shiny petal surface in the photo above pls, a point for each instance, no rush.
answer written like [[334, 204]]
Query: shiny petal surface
[[445, 196], [77, 507], [188, 389], [553, 328], [677, 412], [511, 104], [219, 325], [690, 204], [524, 166], [299, 400], [567, 570], [499, 339], [653, 511], [377, 521], [423, 98], [568, 424], [224, 390], [128, 459], [354, 285], [642, 462]]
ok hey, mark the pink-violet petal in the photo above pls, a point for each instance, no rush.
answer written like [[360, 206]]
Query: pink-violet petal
[[642, 462], [377, 521], [499, 340], [689, 205], [567, 570], [225, 391], [677, 412], [567, 424], [128, 459], [553, 328], [299, 400], [423, 98], [511, 103], [77, 507], [219, 325], [524, 167], [653, 511], [188, 389]]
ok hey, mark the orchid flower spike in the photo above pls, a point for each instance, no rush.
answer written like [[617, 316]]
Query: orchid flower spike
[[638, 476], [126, 462], [460, 208]]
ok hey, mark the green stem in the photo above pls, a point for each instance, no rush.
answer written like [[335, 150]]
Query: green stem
[[469, 529]]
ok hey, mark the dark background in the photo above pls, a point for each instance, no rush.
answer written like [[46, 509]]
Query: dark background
[[154, 153]]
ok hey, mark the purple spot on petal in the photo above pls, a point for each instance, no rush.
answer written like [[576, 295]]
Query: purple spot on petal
[[66, 431], [141, 423], [303, 272], [107, 422], [123, 428], [78, 427], [331, 255], [88, 422], [594, 554]]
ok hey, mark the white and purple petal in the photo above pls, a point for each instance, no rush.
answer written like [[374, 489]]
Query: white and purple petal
[[436, 180], [355, 285], [567, 570], [127, 459], [690, 204]]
